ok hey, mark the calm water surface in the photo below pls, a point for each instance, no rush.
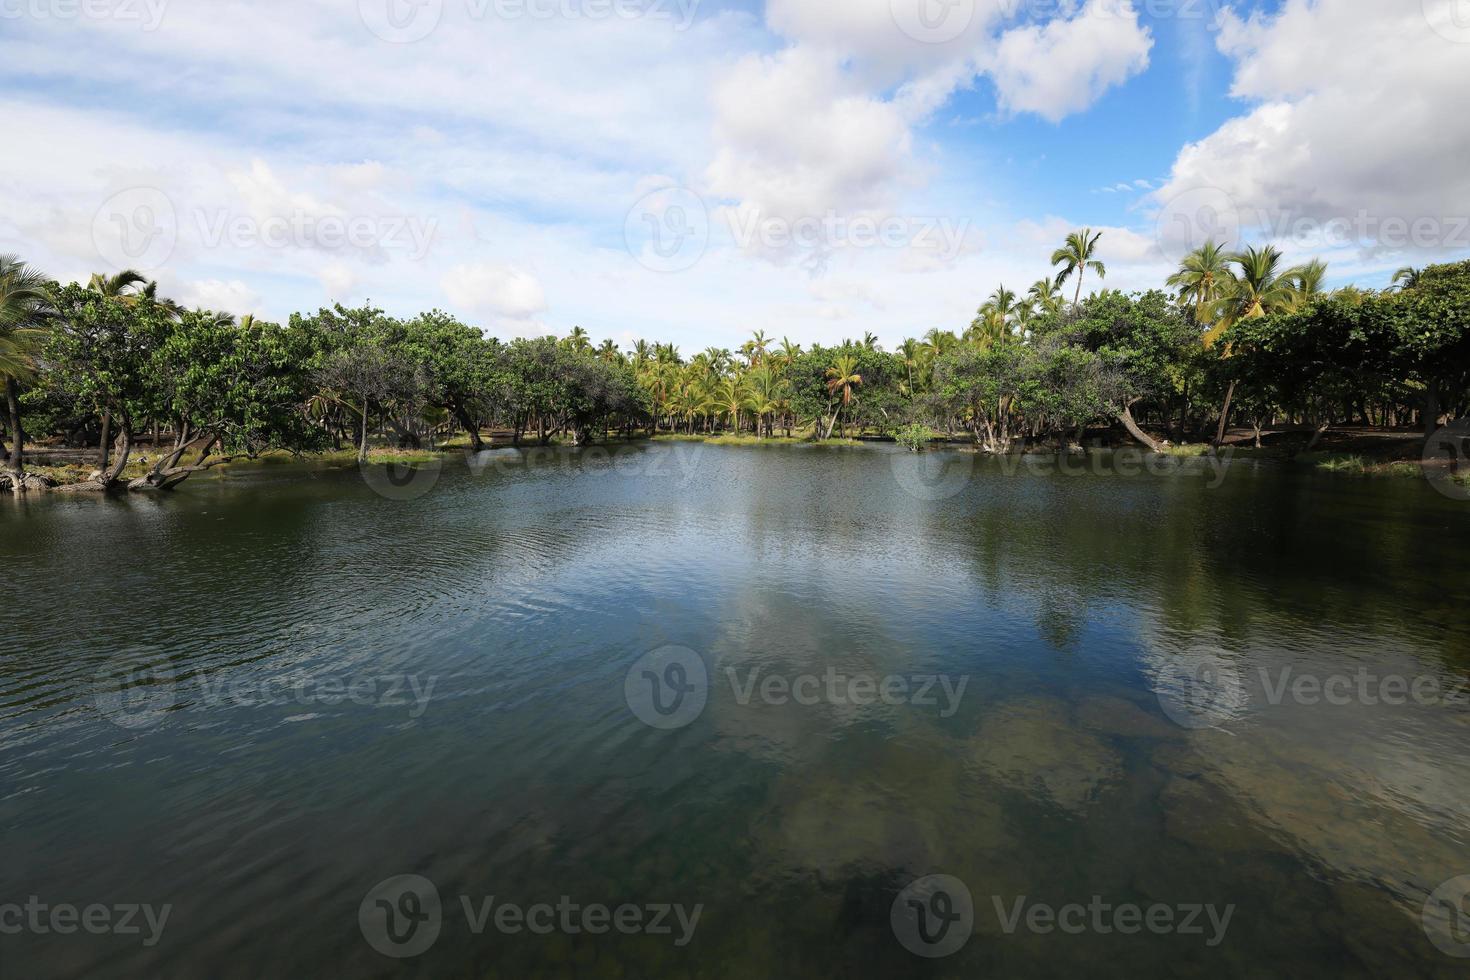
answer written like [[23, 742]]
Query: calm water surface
[[340, 688]]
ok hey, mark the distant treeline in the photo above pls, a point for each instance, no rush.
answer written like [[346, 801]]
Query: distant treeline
[[111, 363]]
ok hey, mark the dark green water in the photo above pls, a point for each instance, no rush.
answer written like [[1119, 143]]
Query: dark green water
[[174, 728]]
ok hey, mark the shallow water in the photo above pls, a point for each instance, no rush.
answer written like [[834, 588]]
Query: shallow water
[[257, 699]]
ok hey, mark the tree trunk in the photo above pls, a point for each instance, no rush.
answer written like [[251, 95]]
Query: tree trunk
[[1224, 416], [362, 444], [16, 462], [471, 426], [1126, 417], [1431, 408], [1317, 435], [120, 463], [106, 443]]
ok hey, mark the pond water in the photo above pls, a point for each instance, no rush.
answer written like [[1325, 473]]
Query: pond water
[[688, 710]]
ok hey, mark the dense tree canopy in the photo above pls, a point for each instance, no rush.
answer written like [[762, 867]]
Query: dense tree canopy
[[112, 362]]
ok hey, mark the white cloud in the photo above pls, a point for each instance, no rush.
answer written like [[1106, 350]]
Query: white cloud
[[1330, 140], [233, 296], [1065, 65], [338, 281], [797, 136], [498, 291]]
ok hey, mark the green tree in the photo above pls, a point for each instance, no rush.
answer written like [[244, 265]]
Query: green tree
[[26, 309], [1077, 256], [842, 378]]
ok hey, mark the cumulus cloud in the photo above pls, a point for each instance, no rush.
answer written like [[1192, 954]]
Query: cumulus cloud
[[495, 290], [799, 140], [825, 125], [1329, 154], [232, 296], [1064, 66]]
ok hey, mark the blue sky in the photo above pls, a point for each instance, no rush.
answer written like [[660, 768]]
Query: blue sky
[[694, 170]]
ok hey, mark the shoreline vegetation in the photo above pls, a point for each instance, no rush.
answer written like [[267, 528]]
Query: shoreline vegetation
[[109, 386]]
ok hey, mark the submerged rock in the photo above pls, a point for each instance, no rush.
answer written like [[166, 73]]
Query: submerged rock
[[1115, 716], [1037, 747]]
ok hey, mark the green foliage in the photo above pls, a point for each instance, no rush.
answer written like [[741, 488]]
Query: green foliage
[[1030, 367], [915, 436]]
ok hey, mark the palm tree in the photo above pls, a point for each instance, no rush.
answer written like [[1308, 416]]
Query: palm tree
[[1204, 277], [1046, 294], [128, 282], [757, 346], [939, 342], [608, 351], [989, 329], [766, 393], [132, 287], [1408, 277], [1308, 281], [579, 340], [870, 341], [841, 378], [1076, 256], [1002, 301], [26, 307], [1260, 287], [729, 398], [911, 351]]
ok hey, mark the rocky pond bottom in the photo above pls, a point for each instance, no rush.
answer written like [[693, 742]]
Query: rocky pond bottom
[[685, 710]]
